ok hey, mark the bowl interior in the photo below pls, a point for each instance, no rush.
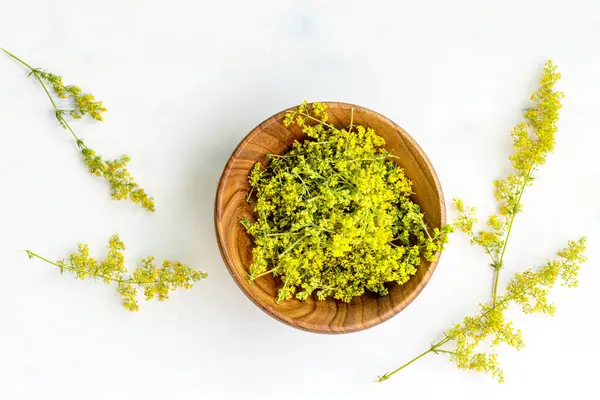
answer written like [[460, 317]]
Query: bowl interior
[[329, 316]]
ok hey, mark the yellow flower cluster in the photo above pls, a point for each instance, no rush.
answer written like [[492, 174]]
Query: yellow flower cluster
[[84, 102], [156, 281], [115, 172], [122, 185], [333, 215]]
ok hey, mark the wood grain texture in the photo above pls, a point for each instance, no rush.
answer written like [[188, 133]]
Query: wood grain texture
[[329, 316]]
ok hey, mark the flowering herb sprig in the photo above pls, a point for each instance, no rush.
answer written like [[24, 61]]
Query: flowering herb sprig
[[155, 281], [334, 216], [530, 153], [122, 185], [528, 290]]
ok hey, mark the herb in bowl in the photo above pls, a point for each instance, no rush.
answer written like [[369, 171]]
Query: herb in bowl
[[334, 216]]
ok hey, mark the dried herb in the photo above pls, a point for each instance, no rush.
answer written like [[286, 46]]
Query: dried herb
[[122, 185], [155, 281], [333, 215], [533, 140]]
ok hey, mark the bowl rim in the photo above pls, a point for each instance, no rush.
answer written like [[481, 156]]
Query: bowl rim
[[397, 308]]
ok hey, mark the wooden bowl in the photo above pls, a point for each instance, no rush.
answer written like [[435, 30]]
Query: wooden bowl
[[328, 316]]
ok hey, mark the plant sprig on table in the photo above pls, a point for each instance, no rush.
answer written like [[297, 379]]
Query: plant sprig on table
[[334, 216], [530, 153], [122, 185], [155, 281], [528, 290]]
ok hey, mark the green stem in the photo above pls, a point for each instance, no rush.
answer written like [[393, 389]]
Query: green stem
[[496, 280], [56, 109], [388, 375], [292, 246], [283, 234], [499, 263], [326, 142], [367, 159], [432, 349], [444, 351], [66, 124], [264, 273], [425, 228], [318, 120], [281, 255], [282, 292]]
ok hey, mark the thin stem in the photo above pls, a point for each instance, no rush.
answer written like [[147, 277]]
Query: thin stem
[[282, 234], [500, 260], [303, 184], [425, 228], [316, 119], [367, 159], [66, 124], [292, 246], [351, 119], [249, 195], [31, 254], [56, 109], [18, 59], [325, 142], [388, 375], [444, 351], [282, 291], [269, 155], [263, 274], [342, 177], [495, 289]]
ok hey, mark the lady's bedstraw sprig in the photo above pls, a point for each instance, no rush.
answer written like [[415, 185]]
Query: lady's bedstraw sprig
[[155, 281], [529, 290], [115, 172], [530, 153]]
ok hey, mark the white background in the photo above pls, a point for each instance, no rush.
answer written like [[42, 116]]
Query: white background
[[184, 81]]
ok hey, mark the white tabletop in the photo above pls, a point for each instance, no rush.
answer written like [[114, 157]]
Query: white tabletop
[[184, 81]]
